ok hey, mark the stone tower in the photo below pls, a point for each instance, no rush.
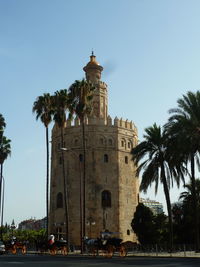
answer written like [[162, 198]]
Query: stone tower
[[112, 189]]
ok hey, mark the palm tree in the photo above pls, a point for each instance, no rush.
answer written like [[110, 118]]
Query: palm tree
[[186, 196], [2, 126], [60, 106], [152, 156], [5, 151], [43, 109], [80, 103], [184, 127]]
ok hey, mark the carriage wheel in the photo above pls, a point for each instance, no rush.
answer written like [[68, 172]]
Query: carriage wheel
[[14, 250], [94, 252], [52, 251], [109, 251], [24, 250], [122, 251], [64, 251]]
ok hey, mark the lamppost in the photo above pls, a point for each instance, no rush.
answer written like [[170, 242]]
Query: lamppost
[[81, 197], [90, 221]]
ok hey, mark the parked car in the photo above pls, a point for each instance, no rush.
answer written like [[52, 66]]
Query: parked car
[[2, 247]]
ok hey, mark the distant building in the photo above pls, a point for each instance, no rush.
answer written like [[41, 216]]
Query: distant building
[[155, 206], [32, 224]]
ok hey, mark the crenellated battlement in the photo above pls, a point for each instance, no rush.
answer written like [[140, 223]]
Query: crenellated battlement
[[125, 124], [100, 83]]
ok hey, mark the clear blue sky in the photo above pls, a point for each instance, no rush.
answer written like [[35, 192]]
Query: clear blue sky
[[150, 50]]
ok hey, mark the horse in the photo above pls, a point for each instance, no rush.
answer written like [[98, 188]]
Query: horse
[[52, 245], [107, 246], [13, 245], [92, 245]]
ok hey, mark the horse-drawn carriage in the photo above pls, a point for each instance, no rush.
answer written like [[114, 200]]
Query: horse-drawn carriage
[[107, 244], [14, 245], [52, 246]]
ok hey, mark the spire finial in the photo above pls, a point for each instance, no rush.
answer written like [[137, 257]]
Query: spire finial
[[92, 52]]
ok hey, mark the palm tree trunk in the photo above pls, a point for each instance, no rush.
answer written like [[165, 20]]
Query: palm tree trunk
[[84, 173], [65, 191], [2, 208], [195, 204], [81, 209], [1, 179], [169, 210], [47, 181]]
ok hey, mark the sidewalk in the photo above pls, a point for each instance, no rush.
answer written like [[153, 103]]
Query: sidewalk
[[181, 254]]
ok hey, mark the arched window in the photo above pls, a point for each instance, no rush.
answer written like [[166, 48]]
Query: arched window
[[130, 144], [106, 199], [123, 143], [105, 157], [59, 200], [128, 232]]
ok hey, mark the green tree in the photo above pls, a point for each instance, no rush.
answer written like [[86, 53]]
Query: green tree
[[183, 223], [25, 235], [42, 107], [150, 228], [186, 196], [60, 107], [80, 103], [152, 156], [2, 126], [143, 225], [183, 214], [161, 226], [184, 127]]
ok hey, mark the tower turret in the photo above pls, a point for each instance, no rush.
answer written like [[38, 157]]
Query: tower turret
[[100, 98], [93, 69]]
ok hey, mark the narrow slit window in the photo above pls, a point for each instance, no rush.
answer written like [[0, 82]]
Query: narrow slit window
[[105, 157], [59, 200], [81, 157], [106, 199]]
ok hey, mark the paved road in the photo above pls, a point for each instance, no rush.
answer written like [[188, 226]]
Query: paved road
[[81, 261]]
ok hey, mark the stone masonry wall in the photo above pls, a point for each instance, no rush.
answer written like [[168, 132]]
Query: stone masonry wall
[[117, 176]]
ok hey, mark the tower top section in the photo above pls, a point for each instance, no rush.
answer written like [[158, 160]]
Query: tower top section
[[93, 69]]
